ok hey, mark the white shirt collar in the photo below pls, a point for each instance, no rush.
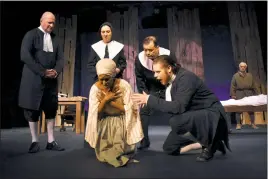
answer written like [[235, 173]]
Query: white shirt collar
[[42, 29]]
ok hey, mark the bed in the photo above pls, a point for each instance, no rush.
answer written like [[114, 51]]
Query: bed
[[247, 104]]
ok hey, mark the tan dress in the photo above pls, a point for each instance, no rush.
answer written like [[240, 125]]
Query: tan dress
[[114, 137]]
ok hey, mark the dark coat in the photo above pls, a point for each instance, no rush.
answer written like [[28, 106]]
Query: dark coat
[[190, 95], [36, 61], [145, 79]]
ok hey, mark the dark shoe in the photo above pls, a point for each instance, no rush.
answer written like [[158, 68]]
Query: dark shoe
[[221, 148], [205, 155], [54, 146], [34, 148], [145, 144]]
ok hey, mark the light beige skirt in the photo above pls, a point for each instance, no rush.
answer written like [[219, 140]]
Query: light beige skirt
[[111, 146]]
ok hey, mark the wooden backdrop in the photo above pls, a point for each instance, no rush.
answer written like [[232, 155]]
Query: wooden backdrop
[[184, 33], [66, 30], [125, 31], [247, 47]]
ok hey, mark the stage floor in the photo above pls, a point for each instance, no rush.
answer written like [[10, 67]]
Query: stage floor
[[248, 158]]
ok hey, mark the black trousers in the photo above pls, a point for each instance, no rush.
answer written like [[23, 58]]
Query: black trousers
[[202, 124], [49, 104], [146, 115]]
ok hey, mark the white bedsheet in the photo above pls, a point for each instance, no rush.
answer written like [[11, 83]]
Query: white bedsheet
[[247, 101]]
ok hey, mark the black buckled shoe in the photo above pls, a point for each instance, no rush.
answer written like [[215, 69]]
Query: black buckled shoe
[[34, 148], [205, 155], [54, 146]]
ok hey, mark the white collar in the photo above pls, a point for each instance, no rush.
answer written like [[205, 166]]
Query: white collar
[[143, 59], [114, 48], [42, 29]]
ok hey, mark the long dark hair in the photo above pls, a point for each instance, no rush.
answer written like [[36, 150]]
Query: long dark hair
[[167, 60]]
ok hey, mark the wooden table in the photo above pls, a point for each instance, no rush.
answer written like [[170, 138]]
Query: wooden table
[[260, 117], [79, 101]]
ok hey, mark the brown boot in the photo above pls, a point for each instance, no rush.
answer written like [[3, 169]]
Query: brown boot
[[254, 126], [238, 127]]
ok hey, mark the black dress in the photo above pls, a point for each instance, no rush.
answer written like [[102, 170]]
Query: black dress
[[115, 52]]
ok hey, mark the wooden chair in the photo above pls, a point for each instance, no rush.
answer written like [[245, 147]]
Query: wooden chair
[[68, 116]]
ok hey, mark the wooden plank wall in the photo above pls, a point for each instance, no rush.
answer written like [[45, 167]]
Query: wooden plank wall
[[184, 33], [125, 31], [247, 47], [66, 30], [245, 38]]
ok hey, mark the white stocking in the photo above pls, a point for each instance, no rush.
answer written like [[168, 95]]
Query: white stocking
[[33, 128], [50, 130]]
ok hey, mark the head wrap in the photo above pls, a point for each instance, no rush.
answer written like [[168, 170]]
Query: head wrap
[[106, 67]]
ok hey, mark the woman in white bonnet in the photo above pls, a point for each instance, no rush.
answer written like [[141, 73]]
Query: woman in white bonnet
[[113, 125]]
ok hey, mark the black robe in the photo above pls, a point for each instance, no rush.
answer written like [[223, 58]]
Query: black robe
[[191, 98], [145, 79], [116, 53], [36, 61]]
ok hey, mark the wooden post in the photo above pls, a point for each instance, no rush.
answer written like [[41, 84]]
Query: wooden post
[[66, 29]]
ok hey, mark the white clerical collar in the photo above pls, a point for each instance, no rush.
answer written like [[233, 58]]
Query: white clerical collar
[[42, 29], [146, 62], [47, 42], [114, 48]]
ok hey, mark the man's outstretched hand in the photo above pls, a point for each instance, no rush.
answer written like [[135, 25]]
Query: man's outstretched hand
[[140, 99]]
